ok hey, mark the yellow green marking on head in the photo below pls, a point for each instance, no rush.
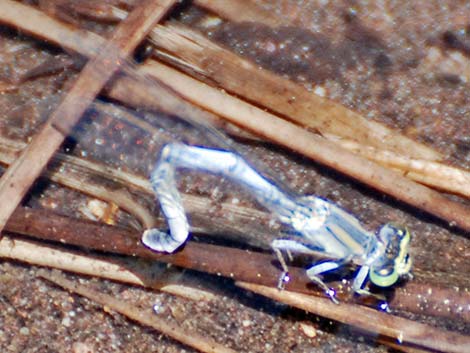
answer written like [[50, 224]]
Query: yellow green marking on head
[[395, 260]]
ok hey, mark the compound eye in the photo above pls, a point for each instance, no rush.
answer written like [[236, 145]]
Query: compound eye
[[385, 277]]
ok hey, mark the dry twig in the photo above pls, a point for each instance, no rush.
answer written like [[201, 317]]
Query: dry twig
[[403, 330], [193, 52], [145, 317], [116, 269], [434, 174], [252, 267], [242, 10], [122, 271]]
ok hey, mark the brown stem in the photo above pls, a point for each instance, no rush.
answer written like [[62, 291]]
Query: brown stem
[[434, 300], [401, 329], [215, 259], [248, 266], [437, 175], [126, 270], [194, 53], [253, 267], [241, 11]]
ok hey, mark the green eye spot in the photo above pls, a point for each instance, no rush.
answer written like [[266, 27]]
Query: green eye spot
[[383, 277]]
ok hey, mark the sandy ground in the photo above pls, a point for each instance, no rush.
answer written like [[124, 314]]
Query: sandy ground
[[405, 65]]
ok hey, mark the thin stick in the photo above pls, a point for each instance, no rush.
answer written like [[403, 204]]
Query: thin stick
[[437, 175], [145, 317], [395, 327], [193, 51], [133, 272], [136, 273], [242, 11], [253, 267], [17, 180], [91, 235], [190, 50], [255, 120], [389, 148]]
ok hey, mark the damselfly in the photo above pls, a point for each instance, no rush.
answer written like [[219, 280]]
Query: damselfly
[[321, 226]]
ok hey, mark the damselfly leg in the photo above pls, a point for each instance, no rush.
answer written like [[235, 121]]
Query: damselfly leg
[[289, 246]]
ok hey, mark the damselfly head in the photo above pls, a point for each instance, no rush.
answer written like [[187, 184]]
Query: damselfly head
[[395, 261]]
